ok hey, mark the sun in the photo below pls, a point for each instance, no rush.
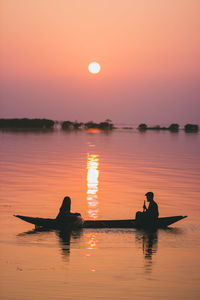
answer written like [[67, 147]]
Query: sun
[[94, 67]]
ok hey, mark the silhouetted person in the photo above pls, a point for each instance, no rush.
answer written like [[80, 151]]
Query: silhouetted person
[[152, 209], [149, 215], [65, 216]]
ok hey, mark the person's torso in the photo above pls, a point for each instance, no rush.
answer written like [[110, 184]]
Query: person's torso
[[153, 209]]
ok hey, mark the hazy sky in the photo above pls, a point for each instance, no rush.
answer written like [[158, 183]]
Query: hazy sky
[[148, 51]]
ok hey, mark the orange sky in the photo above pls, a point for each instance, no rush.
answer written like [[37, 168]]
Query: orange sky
[[147, 49]]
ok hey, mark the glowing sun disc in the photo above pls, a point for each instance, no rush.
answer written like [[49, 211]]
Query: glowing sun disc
[[94, 67]]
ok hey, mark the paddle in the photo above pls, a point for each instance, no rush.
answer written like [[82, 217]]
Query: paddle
[[144, 207]]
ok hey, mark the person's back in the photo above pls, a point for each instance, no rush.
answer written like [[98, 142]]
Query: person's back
[[64, 214], [152, 210]]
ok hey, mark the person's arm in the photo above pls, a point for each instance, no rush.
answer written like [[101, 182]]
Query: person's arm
[[73, 216]]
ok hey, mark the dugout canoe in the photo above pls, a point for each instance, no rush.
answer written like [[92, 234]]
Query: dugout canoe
[[80, 223]]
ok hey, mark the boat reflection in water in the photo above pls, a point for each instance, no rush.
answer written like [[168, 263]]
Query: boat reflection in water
[[65, 237], [149, 242]]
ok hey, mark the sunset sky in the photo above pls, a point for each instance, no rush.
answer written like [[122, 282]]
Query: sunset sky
[[148, 51]]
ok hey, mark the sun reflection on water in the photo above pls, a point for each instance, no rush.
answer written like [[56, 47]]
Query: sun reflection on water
[[91, 241], [92, 185]]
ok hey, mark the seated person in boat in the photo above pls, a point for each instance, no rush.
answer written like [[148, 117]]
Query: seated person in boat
[[64, 214], [149, 215]]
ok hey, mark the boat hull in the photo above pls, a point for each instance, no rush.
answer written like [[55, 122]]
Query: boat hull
[[80, 223]]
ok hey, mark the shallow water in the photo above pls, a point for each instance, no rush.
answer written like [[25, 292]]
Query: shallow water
[[106, 175]]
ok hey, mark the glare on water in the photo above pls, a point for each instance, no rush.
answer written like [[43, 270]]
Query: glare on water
[[92, 185]]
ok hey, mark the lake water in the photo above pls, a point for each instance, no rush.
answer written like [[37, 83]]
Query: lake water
[[106, 175]]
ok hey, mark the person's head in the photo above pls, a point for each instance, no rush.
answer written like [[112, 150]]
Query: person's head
[[149, 196], [66, 203]]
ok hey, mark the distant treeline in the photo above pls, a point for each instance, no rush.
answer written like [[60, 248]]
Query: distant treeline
[[50, 124], [173, 127], [26, 123], [106, 125]]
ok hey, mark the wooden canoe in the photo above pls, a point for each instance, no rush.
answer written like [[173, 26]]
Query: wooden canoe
[[80, 223]]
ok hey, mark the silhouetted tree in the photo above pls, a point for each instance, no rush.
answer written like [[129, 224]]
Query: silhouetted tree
[[106, 125], [77, 125], [191, 128], [173, 127], [142, 127], [90, 124], [67, 125]]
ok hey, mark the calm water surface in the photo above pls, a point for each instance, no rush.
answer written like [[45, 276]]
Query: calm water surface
[[106, 176]]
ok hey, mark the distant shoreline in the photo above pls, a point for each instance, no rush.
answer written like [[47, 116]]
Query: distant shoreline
[[107, 125]]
